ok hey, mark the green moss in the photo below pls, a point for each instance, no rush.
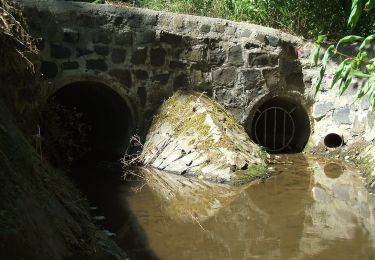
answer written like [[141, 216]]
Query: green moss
[[256, 171], [192, 141], [366, 166], [179, 111], [262, 151], [195, 121]]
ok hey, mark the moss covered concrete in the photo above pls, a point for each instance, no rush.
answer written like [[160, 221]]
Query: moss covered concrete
[[193, 134]]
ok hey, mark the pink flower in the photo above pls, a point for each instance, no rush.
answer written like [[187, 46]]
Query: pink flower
[[299, 52], [327, 77]]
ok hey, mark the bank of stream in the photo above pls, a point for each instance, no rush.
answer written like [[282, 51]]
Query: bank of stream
[[310, 208]]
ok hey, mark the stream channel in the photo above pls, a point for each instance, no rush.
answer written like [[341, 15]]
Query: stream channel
[[311, 208]]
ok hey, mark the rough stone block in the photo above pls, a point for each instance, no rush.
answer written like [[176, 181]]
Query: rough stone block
[[49, 69], [124, 38], [135, 20], [258, 36], [176, 64], [70, 35], [294, 81], [231, 30], [70, 65], [139, 56], [262, 59], [365, 103], [273, 40], [157, 56], [359, 126], [83, 52], [205, 28], [216, 55], [101, 37], [97, 64], [235, 55], [197, 54], [370, 119], [181, 82], [161, 79], [224, 76], [320, 109], [341, 115], [246, 33], [101, 50], [59, 51], [86, 20], [197, 77], [101, 19], [118, 20], [150, 19], [272, 77], [251, 45], [144, 37], [141, 74], [170, 38], [178, 22], [219, 28], [118, 55], [289, 66], [251, 78], [123, 76]]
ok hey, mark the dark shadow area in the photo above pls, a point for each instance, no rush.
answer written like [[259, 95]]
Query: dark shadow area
[[281, 125], [103, 184], [86, 129], [85, 119]]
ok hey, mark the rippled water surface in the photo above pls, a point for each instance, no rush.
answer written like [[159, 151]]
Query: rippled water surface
[[310, 209]]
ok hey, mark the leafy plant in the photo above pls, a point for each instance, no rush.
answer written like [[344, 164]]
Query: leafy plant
[[358, 65]]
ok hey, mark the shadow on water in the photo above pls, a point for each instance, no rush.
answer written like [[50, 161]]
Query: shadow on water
[[103, 185]]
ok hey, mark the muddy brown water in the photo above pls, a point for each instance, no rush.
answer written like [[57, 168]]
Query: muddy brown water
[[310, 209]]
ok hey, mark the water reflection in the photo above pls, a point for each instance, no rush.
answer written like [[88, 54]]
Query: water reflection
[[333, 169], [341, 220], [312, 209]]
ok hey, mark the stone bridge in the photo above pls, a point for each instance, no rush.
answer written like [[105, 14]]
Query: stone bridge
[[130, 60]]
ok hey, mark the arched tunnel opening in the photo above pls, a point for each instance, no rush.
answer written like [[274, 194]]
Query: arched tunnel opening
[[281, 125], [85, 120]]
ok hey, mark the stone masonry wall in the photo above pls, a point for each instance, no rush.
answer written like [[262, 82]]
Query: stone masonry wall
[[351, 119], [146, 55]]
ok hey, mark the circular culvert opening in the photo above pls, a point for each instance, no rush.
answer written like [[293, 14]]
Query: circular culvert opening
[[333, 140], [281, 125], [85, 119]]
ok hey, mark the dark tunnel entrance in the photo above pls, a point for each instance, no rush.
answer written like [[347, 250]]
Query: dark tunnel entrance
[[82, 120], [281, 125]]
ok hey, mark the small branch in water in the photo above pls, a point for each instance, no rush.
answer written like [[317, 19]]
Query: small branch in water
[[196, 220]]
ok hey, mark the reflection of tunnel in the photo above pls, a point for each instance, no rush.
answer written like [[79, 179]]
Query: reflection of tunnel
[[85, 118], [281, 125]]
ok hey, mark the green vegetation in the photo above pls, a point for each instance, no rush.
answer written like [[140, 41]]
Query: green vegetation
[[256, 171], [367, 166], [351, 66], [306, 18]]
